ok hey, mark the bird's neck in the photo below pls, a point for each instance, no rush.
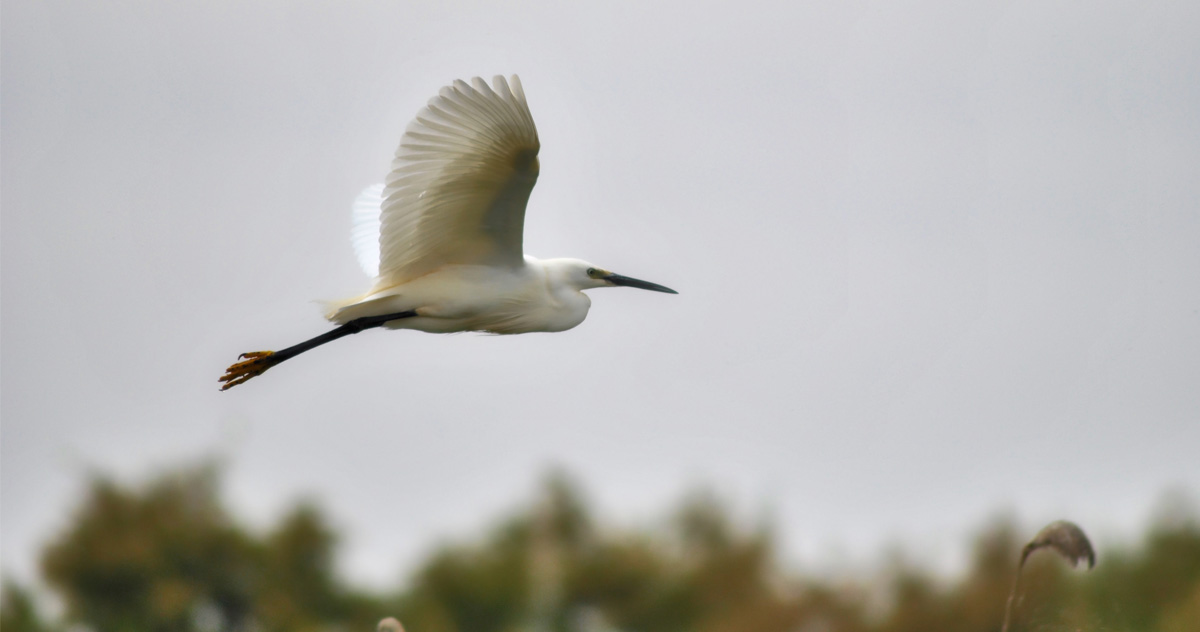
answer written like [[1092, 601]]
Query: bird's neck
[[559, 275]]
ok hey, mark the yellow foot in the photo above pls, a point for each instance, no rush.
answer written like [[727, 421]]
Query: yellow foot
[[256, 364]]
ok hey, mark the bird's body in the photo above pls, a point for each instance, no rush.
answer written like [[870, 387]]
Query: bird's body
[[443, 238], [531, 297]]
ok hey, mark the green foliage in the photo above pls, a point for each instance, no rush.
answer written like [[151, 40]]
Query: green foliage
[[18, 613], [168, 557], [143, 561]]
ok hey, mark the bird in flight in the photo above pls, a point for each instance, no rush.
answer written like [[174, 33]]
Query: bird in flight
[[443, 237]]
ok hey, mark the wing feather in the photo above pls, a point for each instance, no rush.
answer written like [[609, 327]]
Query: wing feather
[[459, 182], [364, 232]]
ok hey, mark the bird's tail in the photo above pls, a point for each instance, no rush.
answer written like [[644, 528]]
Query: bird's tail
[[331, 309], [344, 311]]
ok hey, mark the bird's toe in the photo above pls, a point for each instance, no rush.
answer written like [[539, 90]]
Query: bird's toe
[[255, 364], [253, 355]]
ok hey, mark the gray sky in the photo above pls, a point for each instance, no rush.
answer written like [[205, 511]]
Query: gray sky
[[935, 260]]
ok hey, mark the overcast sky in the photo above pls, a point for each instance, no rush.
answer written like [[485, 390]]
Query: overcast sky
[[935, 260]]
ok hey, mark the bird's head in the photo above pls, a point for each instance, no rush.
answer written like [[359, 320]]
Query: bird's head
[[585, 276]]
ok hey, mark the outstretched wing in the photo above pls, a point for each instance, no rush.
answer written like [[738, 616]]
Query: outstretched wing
[[459, 183], [364, 231]]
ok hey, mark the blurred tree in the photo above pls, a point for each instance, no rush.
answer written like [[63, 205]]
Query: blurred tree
[[917, 606], [1151, 588], [730, 575], [977, 603], [146, 561], [18, 612], [551, 569], [514, 579], [1183, 616], [168, 557], [298, 589]]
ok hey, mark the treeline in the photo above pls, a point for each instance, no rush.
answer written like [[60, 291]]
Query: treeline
[[169, 557]]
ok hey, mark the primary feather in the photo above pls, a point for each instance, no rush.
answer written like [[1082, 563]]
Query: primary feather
[[459, 183], [364, 231]]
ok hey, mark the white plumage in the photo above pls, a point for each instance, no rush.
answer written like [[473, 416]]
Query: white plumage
[[459, 183], [443, 236], [364, 230]]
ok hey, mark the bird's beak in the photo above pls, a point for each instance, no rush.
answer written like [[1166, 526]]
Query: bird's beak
[[617, 279]]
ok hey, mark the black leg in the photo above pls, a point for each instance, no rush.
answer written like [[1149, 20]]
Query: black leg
[[257, 362], [352, 327]]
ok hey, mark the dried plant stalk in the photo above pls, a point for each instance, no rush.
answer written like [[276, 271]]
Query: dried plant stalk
[[1061, 536]]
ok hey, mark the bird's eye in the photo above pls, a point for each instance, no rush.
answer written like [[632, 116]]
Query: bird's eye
[[591, 272]]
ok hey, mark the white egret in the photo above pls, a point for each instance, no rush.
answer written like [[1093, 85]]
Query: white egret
[[443, 237]]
